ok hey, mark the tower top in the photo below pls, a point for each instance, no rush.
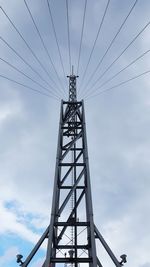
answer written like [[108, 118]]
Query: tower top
[[72, 86]]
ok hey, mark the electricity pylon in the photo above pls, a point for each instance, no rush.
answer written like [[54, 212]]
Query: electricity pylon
[[72, 233]]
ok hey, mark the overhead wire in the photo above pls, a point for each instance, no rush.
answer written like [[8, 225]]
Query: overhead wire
[[134, 39], [27, 76], [110, 45], [28, 46], [81, 39], [28, 87], [23, 59], [124, 50], [44, 46], [120, 71], [28, 64], [95, 41], [68, 34], [119, 84], [56, 39]]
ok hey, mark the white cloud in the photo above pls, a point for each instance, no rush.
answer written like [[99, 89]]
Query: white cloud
[[145, 265], [9, 111], [39, 263], [11, 224], [8, 256]]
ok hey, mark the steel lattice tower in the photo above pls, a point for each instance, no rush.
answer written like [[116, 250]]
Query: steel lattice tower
[[72, 233]]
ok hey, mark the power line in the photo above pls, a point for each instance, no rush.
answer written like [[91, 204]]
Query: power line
[[133, 40], [43, 43], [115, 75], [28, 87], [29, 47], [35, 71], [54, 30], [110, 45], [94, 44], [68, 31], [119, 84], [24, 74], [85, 5]]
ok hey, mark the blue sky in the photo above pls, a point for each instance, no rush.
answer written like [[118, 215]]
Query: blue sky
[[118, 124]]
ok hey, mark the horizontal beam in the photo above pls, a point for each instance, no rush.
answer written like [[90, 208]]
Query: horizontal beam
[[74, 123], [72, 103], [72, 128], [65, 164], [70, 260], [68, 134], [69, 187], [74, 149], [72, 247], [71, 223]]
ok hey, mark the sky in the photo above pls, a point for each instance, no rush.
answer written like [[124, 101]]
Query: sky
[[117, 121]]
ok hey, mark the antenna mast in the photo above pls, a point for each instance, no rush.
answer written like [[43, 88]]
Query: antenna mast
[[72, 183]]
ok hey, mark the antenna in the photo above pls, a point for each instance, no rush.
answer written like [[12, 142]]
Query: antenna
[[72, 182]]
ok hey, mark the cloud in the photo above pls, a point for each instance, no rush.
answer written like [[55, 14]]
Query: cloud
[[11, 224], [8, 256], [146, 265], [39, 263]]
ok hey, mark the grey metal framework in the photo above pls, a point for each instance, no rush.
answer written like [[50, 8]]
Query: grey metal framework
[[72, 233]]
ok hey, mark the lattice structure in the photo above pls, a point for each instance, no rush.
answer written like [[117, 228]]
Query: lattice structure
[[72, 233]]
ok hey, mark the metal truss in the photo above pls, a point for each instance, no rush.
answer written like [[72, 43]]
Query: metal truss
[[72, 233]]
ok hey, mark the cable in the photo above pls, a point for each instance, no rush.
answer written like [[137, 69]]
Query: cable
[[28, 87], [133, 40], [15, 68], [100, 26], [110, 45], [81, 37], [115, 75], [58, 47], [68, 31], [29, 47], [119, 84], [43, 43], [38, 74]]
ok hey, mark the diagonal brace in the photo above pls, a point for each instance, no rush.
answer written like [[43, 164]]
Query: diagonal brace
[[70, 169], [71, 214], [71, 192], [71, 144], [71, 114], [35, 249], [107, 248]]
